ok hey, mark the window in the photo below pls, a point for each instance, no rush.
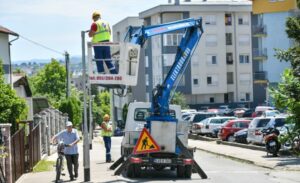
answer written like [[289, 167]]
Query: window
[[210, 20], [228, 38], [195, 82], [147, 80], [244, 59], [244, 40], [247, 96], [211, 40], [245, 78], [229, 77], [243, 20], [211, 59], [146, 61], [209, 80], [229, 58], [212, 79], [172, 39], [211, 99], [228, 19]]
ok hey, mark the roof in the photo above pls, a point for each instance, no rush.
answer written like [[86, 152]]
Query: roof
[[207, 6], [7, 31], [18, 80]]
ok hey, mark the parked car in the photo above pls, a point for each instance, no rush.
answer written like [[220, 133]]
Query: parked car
[[270, 113], [208, 125], [241, 136], [260, 109], [223, 109], [257, 124], [198, 117], [230, 127], [232, 112]]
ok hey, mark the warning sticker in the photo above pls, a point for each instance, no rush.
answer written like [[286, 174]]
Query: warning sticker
[[145, 144]]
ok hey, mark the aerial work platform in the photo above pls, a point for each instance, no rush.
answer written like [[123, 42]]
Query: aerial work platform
[[119, 60]]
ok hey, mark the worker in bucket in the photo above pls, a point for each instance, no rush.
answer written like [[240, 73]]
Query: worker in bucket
[[106, 133], [100, 32]]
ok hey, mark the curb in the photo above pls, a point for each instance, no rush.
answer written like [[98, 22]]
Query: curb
[[245, 146], [199, 137], [238, 159]]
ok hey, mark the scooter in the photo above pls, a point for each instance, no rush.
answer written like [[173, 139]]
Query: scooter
[[271, 141]]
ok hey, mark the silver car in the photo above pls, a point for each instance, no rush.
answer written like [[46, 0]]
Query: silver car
[[257, 124]]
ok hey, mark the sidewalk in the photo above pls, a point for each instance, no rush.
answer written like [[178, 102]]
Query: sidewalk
[[98, 167], [256, 157]]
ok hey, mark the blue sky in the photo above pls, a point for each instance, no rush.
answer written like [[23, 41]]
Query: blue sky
[[57, 23]]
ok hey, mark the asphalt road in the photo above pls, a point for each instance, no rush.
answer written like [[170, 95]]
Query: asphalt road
[[218, 169]]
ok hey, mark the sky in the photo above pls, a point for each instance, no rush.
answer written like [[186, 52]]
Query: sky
[[58, 23]]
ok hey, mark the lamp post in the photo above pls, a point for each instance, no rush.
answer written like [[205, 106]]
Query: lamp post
[[86, 145]]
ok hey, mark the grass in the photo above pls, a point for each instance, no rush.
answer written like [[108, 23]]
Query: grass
[[44, 166]]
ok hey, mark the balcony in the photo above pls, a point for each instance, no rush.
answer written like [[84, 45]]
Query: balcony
[[259, 31], [260, 77], [260, 54]]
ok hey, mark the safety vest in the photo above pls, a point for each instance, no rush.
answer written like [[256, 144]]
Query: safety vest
[[105, 133], [102, 33]]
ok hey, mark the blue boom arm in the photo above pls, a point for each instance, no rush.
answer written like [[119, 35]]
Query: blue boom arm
[[161, 94]]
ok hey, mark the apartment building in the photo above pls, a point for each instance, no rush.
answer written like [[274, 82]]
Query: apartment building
[[268, 32], [221, 67], [138, 92]]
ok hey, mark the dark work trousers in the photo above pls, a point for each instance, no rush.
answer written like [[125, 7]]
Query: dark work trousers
[[107, 142], [103, 52], [72, 159]]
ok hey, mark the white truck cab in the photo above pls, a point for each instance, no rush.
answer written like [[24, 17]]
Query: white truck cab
[[136, 120]]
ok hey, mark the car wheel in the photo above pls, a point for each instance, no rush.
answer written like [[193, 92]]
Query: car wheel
[[230, 138]]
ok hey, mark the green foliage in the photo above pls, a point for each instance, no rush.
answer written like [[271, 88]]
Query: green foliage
[[50, 82], [12, 107], [179, 99], [124, 112], [72, 106], [101, 106], [287, 95]]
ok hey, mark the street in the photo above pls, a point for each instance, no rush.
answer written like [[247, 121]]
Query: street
[[218, 169]]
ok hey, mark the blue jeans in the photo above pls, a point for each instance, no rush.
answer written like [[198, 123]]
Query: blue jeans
[[103, 52], [107, 143]]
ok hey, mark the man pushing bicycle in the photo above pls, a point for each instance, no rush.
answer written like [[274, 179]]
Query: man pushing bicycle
[[70, 138]]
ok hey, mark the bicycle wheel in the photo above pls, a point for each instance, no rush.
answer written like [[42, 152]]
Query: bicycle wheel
[[58, 168]]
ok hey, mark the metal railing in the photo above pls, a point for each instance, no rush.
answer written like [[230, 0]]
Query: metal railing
[[260, 75], [259, 30], [260, 53]]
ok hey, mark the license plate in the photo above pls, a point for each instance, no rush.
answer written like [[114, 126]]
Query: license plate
[[163, 161], [272, 143]]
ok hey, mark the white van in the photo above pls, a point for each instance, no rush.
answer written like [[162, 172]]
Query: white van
[[260, 109]]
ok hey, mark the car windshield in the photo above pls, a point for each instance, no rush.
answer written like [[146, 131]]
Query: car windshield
[[262, 123], [200, 117]]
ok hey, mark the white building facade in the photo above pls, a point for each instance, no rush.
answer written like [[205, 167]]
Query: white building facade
[[221, 67]]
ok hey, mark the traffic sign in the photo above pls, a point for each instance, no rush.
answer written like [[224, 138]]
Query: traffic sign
[[145, 144]]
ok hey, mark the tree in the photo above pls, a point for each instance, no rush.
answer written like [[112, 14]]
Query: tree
[[72, 106], [12, 107], [287, 95], [51, 82], [179, 99], [101, 106]]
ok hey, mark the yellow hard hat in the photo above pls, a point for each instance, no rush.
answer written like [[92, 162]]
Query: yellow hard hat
[[96, 13], [106, 116]]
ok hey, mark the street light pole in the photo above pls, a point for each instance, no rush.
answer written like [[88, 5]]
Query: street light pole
[[67, 59], [86, 148]]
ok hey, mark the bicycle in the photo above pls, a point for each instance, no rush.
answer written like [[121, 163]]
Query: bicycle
[[59, 162]]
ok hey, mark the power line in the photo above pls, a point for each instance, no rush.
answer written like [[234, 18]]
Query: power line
[[41, 45]]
